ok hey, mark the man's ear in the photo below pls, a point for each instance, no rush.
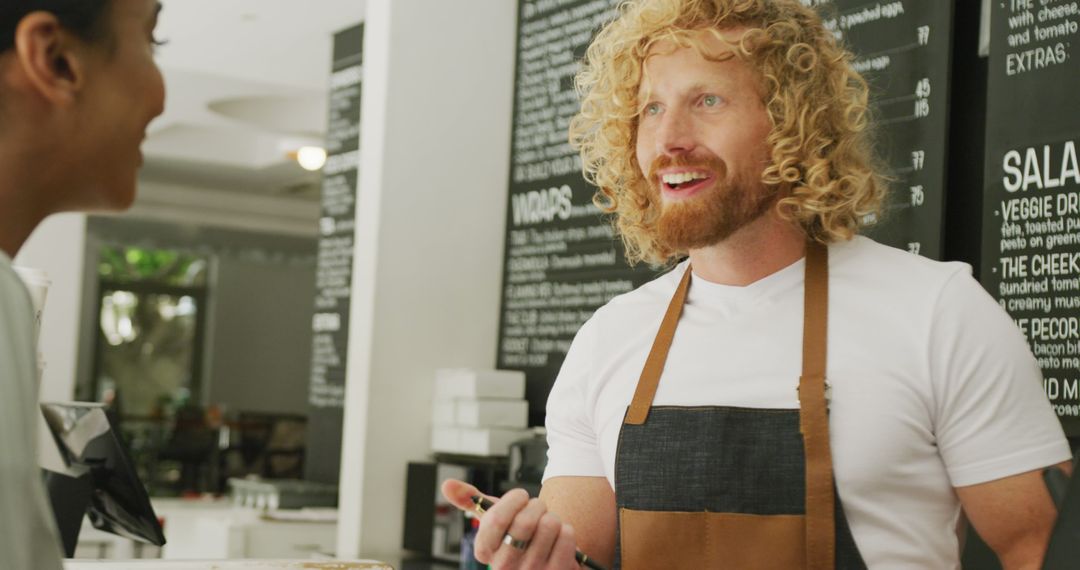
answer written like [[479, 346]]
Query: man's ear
[[49, 57]]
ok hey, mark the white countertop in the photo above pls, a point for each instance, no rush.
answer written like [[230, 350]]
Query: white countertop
[[226, 565]]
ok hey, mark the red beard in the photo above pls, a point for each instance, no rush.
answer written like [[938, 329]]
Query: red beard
[[713, 214]]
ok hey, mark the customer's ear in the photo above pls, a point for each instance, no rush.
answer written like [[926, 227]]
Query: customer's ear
[[48, 58]]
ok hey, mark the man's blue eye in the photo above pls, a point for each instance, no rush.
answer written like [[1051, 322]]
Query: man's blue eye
[[652, 109], [710, 100]]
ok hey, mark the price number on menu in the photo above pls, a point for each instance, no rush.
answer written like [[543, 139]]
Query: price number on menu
[[923, 35], [922, 88], [922, 103], [918, 159], [922, 108], [918, 195]]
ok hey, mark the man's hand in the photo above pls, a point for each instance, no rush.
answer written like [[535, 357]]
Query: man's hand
[[548, 542]]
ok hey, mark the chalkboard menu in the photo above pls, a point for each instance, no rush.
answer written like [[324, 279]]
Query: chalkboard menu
[[903, 49], [1031, 214], [562, 259], [333, 281]]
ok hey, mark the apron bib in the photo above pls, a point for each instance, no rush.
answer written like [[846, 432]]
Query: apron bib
[[724, 487]]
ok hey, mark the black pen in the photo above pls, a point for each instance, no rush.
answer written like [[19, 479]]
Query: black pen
[[483, 504]]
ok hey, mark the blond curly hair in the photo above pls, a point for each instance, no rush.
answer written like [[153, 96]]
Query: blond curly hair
[[821, 151]]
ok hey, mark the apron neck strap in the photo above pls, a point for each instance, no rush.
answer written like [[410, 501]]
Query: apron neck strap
[[814, 414], [654, 365], [815, 310]]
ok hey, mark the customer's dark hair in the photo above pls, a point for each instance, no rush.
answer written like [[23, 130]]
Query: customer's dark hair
[[84, 18]]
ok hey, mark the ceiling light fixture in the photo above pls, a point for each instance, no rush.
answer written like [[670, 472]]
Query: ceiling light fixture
[[311, 158]]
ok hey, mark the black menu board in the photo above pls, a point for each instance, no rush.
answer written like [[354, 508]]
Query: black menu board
[[903, 49], [562, 260], [333, 281], [1031, 214]]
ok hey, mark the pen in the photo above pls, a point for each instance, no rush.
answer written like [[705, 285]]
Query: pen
[[483, 504]]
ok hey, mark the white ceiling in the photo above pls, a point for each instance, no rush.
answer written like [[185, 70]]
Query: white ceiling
[[247, 83]]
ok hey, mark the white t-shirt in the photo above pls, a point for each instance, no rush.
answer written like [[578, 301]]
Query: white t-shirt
[[28, 538], [933, 386]]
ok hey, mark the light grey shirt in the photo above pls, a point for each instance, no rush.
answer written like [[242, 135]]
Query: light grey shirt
[[28, 538]]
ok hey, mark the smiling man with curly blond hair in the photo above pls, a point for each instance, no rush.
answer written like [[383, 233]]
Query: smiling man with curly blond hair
[[791, 395], [819, 162]]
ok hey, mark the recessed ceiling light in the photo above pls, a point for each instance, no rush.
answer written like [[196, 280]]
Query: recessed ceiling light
[[311, 157]]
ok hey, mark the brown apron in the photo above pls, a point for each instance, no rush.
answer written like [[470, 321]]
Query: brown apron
[[725, 487]]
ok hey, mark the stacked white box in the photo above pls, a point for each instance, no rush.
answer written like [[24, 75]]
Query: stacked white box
[[478, 412], [468, 383], [491, 413], [445, 438], [489, 441]]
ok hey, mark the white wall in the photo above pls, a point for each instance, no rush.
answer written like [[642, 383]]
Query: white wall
[[437, 104]]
